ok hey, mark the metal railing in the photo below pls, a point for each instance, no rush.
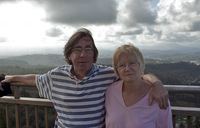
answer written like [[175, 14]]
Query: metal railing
[[27, 101], [184, 111]]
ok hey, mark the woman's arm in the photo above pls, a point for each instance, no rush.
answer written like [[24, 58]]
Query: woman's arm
[[28, 80], [159, 92]]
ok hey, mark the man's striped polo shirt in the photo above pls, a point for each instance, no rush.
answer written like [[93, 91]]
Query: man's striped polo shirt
[[79, 103]]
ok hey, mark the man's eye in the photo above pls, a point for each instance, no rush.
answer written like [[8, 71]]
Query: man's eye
[[78, 49], [88, 49]]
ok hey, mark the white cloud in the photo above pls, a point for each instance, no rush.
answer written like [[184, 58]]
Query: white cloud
[[136, 12], [73, 12], [54, 32]]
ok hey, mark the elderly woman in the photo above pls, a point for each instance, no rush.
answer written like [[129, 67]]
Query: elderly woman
[[127, 99]]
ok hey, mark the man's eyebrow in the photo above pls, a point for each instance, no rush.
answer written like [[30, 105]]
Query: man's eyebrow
[[77, 47], [87, 46]]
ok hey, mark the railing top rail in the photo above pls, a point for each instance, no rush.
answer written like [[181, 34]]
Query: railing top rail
[[170, 88], [26, 100], [183, 88]]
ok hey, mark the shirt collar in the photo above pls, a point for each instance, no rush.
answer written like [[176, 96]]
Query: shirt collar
[[91, 73]]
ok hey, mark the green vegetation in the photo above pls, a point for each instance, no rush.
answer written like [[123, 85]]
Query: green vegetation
[[184, 73]]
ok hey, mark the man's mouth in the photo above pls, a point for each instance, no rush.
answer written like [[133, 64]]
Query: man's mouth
[[82, 61]]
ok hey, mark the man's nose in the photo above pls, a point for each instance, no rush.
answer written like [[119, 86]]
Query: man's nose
[[83, 53]]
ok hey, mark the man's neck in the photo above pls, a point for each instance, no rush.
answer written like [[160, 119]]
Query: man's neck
[[79, 74]]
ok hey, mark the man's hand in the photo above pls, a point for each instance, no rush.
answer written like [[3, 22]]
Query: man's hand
[[7, 79], [27, 80], [159, 93]]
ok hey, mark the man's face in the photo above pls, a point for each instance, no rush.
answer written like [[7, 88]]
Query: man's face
[[82, 56]]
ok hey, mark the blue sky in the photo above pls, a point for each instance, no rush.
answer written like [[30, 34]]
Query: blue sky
[[35, 26], [153, 3]]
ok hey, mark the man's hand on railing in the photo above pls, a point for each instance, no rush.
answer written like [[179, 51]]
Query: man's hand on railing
[[27, 80], [7, 79]]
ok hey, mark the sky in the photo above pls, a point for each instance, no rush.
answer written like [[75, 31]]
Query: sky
[[44, 26]]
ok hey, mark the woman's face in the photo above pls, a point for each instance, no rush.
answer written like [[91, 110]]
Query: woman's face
[[128, 69]]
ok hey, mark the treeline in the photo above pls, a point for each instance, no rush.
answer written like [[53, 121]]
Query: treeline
[[183, 73], [28, 69]]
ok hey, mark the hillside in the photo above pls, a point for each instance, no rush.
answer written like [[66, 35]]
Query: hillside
[[36, 59], [58, 59]]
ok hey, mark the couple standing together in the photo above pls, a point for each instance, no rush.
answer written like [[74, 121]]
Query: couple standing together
[[88, 95]]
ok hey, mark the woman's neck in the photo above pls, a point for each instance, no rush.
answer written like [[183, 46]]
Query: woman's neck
[[138, 86]]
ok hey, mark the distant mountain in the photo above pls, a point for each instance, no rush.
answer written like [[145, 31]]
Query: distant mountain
[[7, 62], [41, 59], [158, 51], [151, 56], [176, 48]]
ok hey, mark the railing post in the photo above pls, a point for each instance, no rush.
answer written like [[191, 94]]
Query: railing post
[[174, 120], [36, 116], [46, 117], [17, 117], [189, 121], [7, 117], [27, 116]]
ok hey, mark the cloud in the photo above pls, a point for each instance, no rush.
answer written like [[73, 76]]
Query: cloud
[[136, 12], [178, 13], [176, 22], [127, 33], [54, 32], [84, 12], [3, 39], [195, 26], [6, 1]]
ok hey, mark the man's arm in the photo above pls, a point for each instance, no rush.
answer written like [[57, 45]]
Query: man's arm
[[159, 92], [28, 80]]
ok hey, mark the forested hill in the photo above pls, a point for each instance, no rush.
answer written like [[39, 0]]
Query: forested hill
[[58, 59], [179, 73], [39, 59]]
